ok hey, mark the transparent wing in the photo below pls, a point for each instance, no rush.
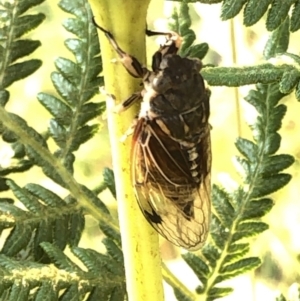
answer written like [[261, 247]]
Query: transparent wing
[[174, 203]]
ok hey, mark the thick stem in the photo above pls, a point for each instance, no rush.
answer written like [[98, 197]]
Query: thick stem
[[126, 19]]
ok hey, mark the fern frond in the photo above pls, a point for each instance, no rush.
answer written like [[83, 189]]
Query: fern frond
[[109, 180], [230, 8], [277, 13], [76, 83], [295, 20], [278, 40], [63, 281], [49, 218], [15, 24], [28, 142], [12, 47], [254, 10], [46, 217], [283, 67], [237, 215]]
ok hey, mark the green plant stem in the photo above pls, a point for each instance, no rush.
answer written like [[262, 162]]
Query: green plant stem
[[74, 188], [175, 283], [236, 89], [126, 19]]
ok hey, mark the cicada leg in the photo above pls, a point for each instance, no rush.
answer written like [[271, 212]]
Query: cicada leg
[[131, 64], [122, 107], [134, 68], [127, 103], [130, 130]]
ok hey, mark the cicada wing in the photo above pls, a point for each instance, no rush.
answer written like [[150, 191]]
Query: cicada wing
[[173, 203]]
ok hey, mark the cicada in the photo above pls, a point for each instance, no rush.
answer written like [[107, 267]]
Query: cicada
[[171, 153]]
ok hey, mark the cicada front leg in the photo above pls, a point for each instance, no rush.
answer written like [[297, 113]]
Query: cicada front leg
[[131, 64], [110, 100], [127, 103], [123, 107]]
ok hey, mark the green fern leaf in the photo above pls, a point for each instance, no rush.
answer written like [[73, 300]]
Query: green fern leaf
[[31, 203], [60, 259], [4, 97], [275, 183], [25, 5], [247, 148], [48, 197], [15, 27], [84, 134], [200, 268], [218, 232], [289, 81], [230, 8], [90, 111], [218, 292], [226, 76], [222, 205], [65, 88], [275, 164], [257, 209], [20, 166], [57, 222], [241, 266], [72, 292], [254, 11], [113, 250], [278, 41], [19, 71], [27, 23], [278, 13], [211, 254], [238, 247], [180, 296], [96, 201], [17, 240], [69, 70], [181, 23], [46, 292], [76, 83], [19, 292], [21, 48], [109, 180], [295, 21], [248, 229], [61, 111], [111, 233], [237, 255], [199, 51]]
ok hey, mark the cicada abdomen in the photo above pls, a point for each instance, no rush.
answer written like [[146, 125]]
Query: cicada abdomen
[[171, 153]]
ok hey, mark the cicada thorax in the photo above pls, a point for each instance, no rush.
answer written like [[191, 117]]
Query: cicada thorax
[[171, 155]]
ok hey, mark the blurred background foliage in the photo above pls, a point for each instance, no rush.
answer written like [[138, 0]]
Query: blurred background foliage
[[231, 44]]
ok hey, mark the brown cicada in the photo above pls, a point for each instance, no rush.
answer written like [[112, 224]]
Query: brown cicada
[[171, 154]]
